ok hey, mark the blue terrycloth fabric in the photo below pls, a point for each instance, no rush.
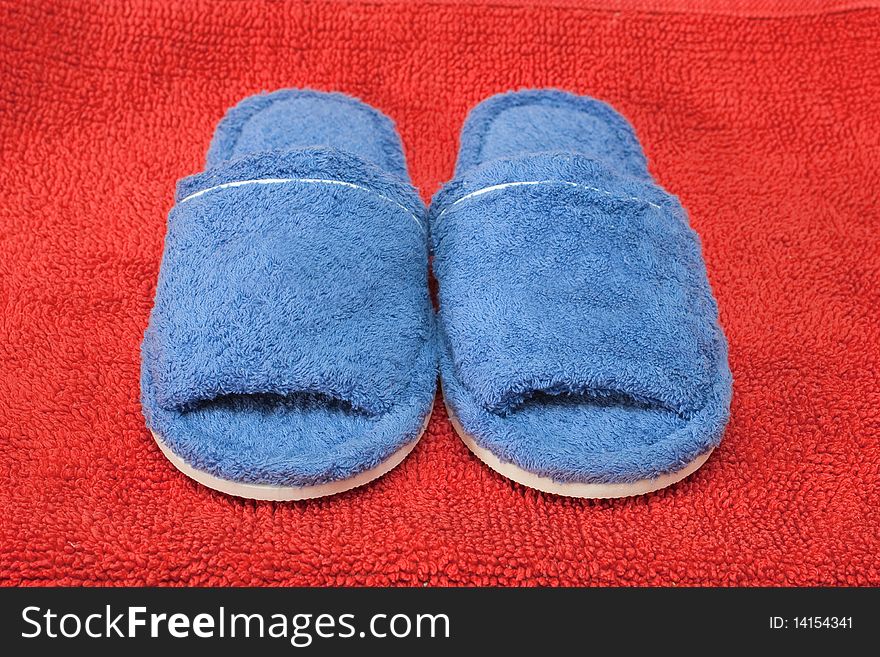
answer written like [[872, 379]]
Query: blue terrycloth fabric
[[291, 341], [579, 335]]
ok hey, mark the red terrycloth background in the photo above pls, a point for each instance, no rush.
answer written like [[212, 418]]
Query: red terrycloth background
[[766, 124]]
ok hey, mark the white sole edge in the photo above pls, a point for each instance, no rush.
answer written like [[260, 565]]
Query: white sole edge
[[268, 492], [591, 491]]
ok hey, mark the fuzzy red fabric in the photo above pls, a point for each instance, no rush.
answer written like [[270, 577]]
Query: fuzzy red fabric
[[764, 122]]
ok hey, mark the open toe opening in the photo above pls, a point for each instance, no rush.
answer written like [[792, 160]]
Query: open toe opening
[[264, 437], [585, 445], [590, 444], [298, 440], [587, 424]]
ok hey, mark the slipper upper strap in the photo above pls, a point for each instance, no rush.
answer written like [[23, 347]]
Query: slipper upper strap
[[290, 273], [560, 276]]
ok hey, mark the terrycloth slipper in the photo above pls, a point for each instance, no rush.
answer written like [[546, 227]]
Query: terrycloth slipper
[[580, 347], [290, 352]]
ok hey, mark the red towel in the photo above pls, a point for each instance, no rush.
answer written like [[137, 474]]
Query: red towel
[[764, 120]]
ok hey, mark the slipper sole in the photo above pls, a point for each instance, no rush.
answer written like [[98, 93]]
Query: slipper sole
[[272, 493], [587, 491]]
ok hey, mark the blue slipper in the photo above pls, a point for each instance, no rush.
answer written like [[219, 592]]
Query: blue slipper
[[580, 347], [290, 351]]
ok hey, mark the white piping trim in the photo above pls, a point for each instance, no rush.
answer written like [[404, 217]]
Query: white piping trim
[[494, 188], [307, 181]]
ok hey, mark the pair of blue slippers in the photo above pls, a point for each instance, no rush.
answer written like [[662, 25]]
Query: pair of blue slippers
[[293, 348]]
